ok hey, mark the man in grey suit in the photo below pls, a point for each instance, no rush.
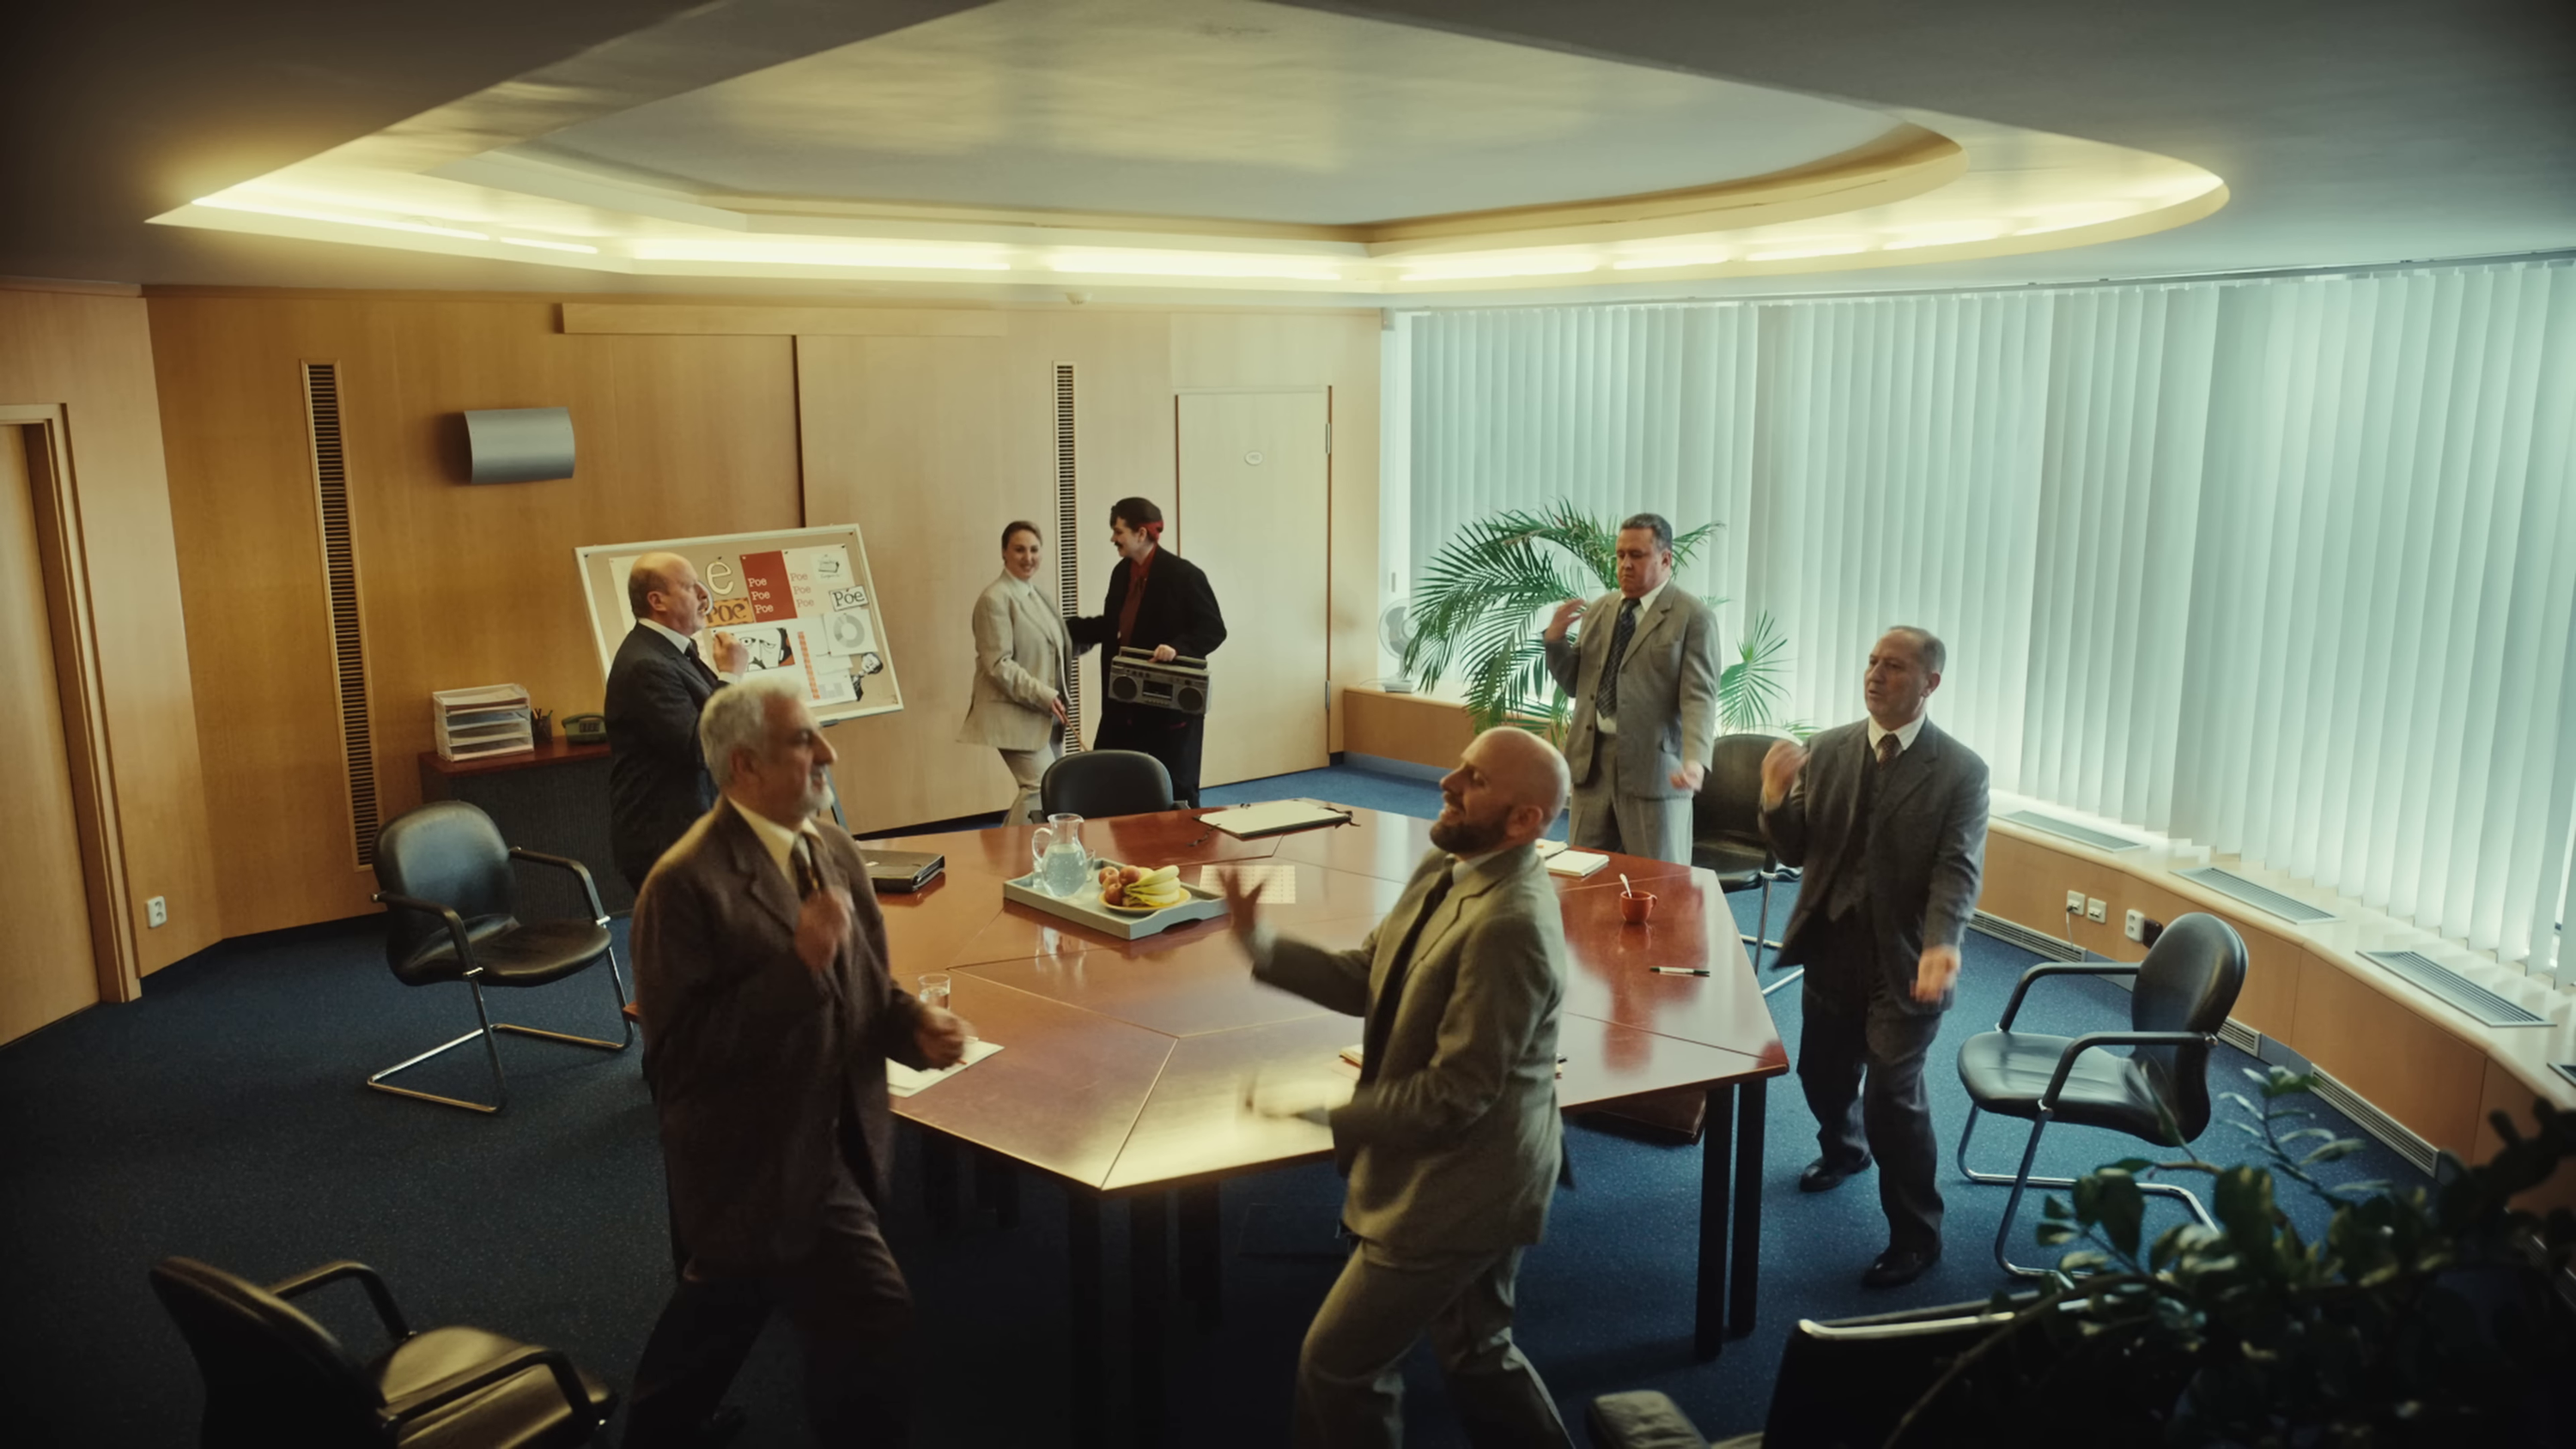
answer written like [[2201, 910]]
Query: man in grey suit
[[768, 1011], [1644, 685], [1021, 648], [1451, 1140], [1888, 818]]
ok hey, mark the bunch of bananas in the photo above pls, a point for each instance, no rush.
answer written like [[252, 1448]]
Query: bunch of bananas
[[1137, 888]]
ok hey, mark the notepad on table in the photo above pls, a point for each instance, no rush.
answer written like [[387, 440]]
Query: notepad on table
[[1576, 863], [1273, 817], [903, 1081]]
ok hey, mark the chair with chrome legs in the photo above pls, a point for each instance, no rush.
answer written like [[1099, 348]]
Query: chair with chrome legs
[[452, 900], [2159, 1091], [1726, 833]]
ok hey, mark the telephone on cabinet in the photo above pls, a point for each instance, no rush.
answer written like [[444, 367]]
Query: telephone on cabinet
[[585, 729]]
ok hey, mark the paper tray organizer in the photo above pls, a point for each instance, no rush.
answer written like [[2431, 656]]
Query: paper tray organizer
[[1084, 908]]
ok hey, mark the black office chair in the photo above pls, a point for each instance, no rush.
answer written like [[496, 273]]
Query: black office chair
[[275, 1377], [2159, 1091], [1726, 832], [1100, 783], [1852, 1382], [453, 902]]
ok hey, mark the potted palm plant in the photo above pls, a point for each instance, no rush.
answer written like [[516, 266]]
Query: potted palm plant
[[1481, 593]]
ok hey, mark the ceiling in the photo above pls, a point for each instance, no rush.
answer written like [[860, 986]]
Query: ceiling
[[2346, 134]]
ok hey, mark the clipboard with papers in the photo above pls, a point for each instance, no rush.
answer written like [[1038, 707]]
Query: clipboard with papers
[[1274, 817]]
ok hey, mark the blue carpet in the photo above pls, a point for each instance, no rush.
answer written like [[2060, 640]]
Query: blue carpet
[[221, 1117]]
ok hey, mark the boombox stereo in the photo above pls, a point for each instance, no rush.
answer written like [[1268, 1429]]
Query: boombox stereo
[[1180, 684]]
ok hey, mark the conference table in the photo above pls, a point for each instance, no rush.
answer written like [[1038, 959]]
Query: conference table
[[1125, 1064]]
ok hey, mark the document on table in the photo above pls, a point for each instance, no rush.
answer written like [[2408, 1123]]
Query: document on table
[[903, 1081], [1274, 818]]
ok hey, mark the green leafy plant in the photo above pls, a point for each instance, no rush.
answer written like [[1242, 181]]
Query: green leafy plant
[[2419, 1319], [1480, 593]]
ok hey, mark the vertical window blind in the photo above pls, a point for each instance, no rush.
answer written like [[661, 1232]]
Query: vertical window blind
[[2282, 567]]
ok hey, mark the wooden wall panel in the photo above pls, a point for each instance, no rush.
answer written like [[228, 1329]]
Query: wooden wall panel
[[1403, 727], [2406, 1064], [92, 355], [459, 584]]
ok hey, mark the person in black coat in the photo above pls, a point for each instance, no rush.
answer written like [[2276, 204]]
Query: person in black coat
[[1158, 601], [657, 781]]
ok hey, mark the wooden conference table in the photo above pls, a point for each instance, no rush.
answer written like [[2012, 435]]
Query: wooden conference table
[[1124, 1064]]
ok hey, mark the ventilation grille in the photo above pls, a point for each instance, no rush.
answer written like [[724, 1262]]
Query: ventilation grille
[[2394, 1135], [2082, 835], [2488, 1008], [2236, 887], [1068, 577], [340, 581], [2038, 943]]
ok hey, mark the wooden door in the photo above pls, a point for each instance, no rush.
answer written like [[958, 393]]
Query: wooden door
[[48, 968], [1253, 511]]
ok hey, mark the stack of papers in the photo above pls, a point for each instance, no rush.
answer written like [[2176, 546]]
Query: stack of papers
[[471, 723], [1575, 863], [903, 1081]]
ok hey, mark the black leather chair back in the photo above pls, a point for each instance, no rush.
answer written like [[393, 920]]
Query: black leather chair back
[[1101, 783], [1849, 1383], [448, 852], [273, 1376], [2188, 982], [1728, 806]]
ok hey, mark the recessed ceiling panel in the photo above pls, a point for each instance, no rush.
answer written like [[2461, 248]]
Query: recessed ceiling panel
[[1216, 108]]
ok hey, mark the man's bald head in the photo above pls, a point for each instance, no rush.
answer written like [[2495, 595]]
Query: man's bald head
[[664, 587], [1507, 790]]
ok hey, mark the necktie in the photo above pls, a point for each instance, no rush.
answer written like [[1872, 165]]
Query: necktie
[[691, 650], [801, 856], [1605, 698], [1381, 1017], [1135, 596]]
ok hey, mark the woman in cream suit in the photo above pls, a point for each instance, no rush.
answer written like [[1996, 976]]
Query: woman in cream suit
[[1021, 649]]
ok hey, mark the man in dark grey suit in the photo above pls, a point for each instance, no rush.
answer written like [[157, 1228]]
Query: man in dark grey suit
[[761, 977], [1888, 818], [1643, 677], [1451, 1141], [657, 783]]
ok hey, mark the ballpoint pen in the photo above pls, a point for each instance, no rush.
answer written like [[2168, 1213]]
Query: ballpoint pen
[[1679, 971]]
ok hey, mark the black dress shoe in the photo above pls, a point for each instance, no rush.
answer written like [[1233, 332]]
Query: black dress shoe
[[1823, 1176], [1899, 1266]]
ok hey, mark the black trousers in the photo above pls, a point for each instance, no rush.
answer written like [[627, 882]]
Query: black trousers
[[849, 1305], [1860, 1060], [1168, 735]]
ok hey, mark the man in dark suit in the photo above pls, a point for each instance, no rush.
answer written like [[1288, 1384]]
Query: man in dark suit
[[657, 781], [1643, 678], [1888, 818], [761, 976], [1452, 1140], [1160, 601]]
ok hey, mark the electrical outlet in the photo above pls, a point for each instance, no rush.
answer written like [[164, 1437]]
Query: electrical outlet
[[2095, 910], [156, 911], [2135, 927], [2074, 902]]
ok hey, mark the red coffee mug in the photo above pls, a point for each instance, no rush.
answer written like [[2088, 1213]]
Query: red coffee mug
[[1636, 906]]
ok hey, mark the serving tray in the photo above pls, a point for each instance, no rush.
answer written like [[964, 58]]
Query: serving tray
[[1084, 908]]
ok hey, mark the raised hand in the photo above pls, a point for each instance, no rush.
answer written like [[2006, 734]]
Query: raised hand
[[1780, 770], [1242, 905], [729, 653], [822, 924], [1566, 614]]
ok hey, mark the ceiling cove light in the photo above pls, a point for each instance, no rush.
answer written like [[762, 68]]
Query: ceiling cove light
[[1678, 259], [1945, 237], [1526, 267], [1148, 264], [790, 255], [1801, 252], [225, 203], [552, 246]]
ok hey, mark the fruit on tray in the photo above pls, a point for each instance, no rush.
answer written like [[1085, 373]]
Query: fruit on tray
[[1137, 888]]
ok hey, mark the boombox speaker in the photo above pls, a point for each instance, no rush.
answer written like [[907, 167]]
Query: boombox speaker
[[1180, 684]]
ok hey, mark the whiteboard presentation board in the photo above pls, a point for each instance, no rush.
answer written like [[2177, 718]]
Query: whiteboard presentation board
[[800, 599]]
